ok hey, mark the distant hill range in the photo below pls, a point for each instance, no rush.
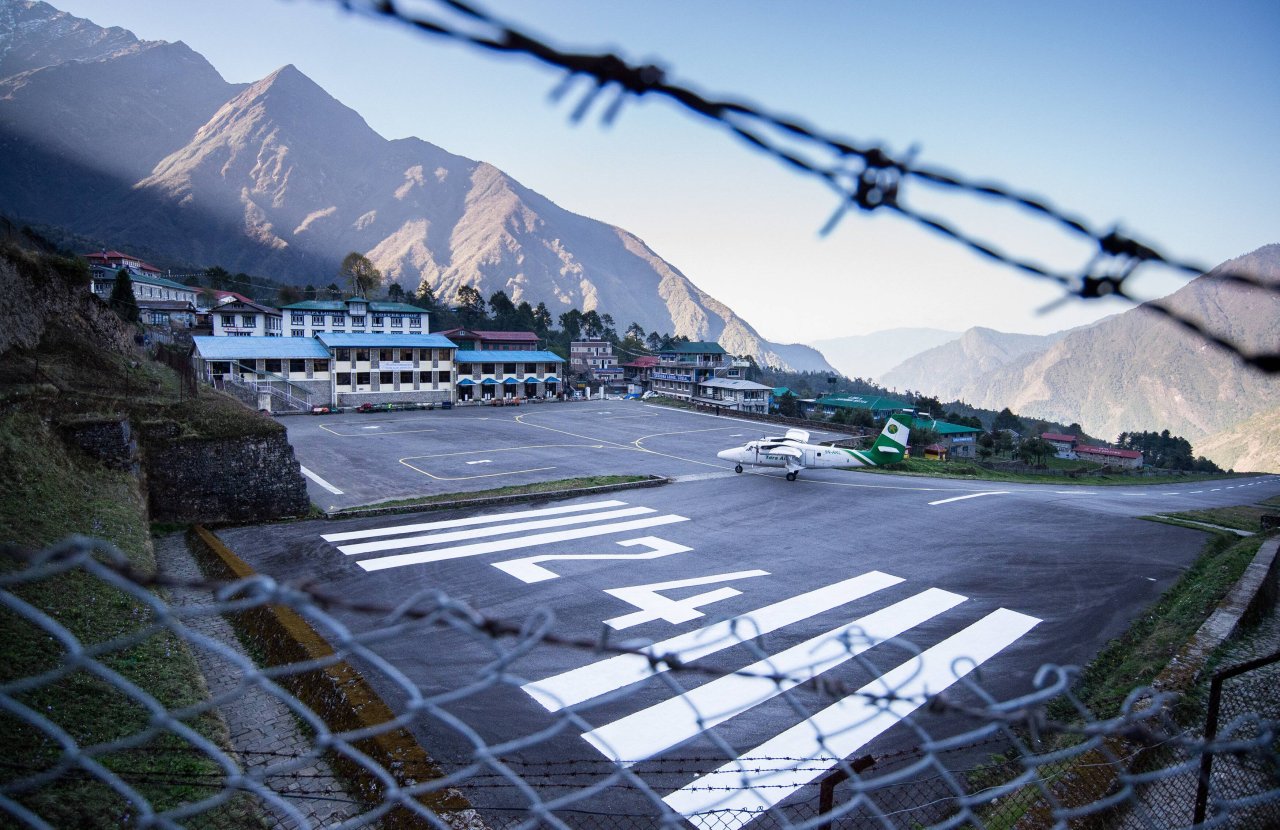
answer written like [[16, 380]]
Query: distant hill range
[[1134, 371], [143, 145], [869, 356]]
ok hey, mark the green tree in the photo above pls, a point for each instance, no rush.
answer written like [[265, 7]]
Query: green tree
[[470, 306], [931, 407], [635, 332], [1007, 420], [288, 295], [525, 318], [358, 272], [592, 325], [789, 405], [334, 292], [571, 324], [395, 293], [542, 319], [122, 300], [653, 341], [1035, 449], [309, 293], [218, 277], [502, 309]]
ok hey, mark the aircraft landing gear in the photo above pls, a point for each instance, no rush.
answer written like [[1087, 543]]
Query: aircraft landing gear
[[738, 468], [792, 476]]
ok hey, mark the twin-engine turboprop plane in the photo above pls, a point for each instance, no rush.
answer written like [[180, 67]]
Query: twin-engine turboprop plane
[[794, 452]]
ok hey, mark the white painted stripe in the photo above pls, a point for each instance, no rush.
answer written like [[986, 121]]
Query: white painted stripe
[[614, 673], [318, 480], [480, 548], [474, 520], [970, 496], [495, 530], [761, 778], [658, 728]]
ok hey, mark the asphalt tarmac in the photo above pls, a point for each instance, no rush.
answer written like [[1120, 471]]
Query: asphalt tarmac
[[940, 577]]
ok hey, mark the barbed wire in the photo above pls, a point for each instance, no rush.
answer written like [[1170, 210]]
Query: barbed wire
[[867, 177], [532, 791]]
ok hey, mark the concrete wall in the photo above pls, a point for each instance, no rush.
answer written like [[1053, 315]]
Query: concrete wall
[[403, 396]]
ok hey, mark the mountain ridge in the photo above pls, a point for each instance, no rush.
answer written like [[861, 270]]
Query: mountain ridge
[[279, 178]]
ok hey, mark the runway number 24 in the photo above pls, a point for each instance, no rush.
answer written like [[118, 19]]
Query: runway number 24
[[648, 599]]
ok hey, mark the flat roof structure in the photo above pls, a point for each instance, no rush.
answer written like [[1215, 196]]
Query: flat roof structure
[[499, 356], [250, 348], [377, 340]]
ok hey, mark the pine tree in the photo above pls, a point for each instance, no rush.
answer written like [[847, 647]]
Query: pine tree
[[122, 300]]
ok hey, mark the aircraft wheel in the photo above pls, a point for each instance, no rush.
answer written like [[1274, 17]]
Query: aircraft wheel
[[791, 476], [738, 469]]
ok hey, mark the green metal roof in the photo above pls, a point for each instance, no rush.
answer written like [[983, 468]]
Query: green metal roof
[[341, 306], [146, 279], [944, 428], [696, 347], [875, 404], [779, 391]]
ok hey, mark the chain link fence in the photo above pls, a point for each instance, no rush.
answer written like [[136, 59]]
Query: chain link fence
[[296, 718]]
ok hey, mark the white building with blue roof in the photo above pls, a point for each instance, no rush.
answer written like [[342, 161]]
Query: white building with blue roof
[[485, 375], [331, 369]]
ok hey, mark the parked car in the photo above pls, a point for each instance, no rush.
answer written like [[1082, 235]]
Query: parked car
[[633, 396]]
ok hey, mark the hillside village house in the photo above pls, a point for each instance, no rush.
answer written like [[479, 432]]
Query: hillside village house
[[502, 374], [682, 367], [501, 341], [161, 301], [244, 318], [637, 372], [352, 315], [734, 394], [1069, 446], [594, 359], [954, 440]]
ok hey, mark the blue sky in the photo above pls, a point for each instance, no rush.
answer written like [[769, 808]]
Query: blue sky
[[1159, 117]]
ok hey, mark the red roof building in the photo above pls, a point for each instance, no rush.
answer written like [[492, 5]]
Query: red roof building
[[119, 259], [477, 340], [1114, 457]]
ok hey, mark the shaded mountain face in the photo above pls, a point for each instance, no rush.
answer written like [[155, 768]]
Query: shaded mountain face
[[950, 370], [1133, 371], [279, 178]]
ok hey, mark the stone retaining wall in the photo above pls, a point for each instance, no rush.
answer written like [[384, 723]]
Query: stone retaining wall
[[217, 480]]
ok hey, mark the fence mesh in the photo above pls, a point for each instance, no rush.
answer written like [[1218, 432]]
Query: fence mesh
[[297, 718]]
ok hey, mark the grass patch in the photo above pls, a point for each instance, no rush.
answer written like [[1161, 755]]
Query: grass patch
[[1063, 472], [1244, 517], [513, 490], [1141, 653], [52, 492]]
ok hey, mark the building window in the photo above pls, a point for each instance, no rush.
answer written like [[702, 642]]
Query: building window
[[362, 355], [319, 366], [387, 355], [396, 321], [249, 320], [298, 365], [464, 368], [378, 319], [343, 379], [297, 333], [486, 368], [296, 318], [342, 355], [228, 320], [362, 378], [386, 378], [357, 320], [415, 321], [339, 319], [317, 320], [273, 365], [531, 368], [273, 324], [406, 378]]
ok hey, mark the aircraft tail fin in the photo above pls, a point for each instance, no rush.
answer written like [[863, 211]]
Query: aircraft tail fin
[[891, 446]]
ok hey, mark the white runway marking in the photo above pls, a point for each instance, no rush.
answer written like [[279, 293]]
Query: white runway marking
[[493, 530], [318, 480], [479, 548], [488, 518], [530, 570], [481, 461], [759, 779], [970, 496], [676, 720], [614, 673]]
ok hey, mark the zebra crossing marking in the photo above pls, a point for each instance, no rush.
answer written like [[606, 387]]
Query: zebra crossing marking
[[675, 720], [758, 779], [603, 676], [488, 518]]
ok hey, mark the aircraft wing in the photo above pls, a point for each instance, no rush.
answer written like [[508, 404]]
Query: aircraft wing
[[798, 435], [789, 452]]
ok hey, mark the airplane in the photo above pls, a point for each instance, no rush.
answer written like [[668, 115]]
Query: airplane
[[794, 451]]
